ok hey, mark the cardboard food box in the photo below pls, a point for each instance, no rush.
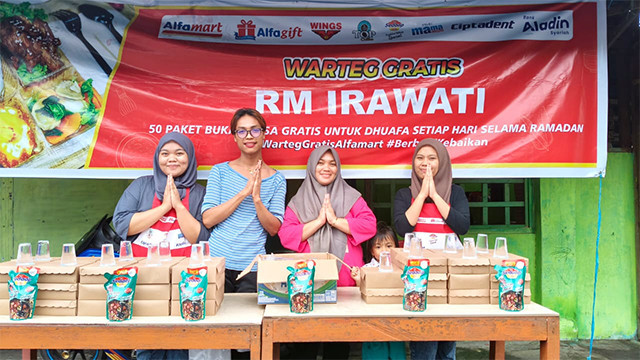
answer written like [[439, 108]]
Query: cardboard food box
[[156, 274], [495, 292], [46, 307], [140, 308], [437, 281], [373, 278], [94, 273], [211, 307], [382, 296], [458, 265], [48, 291], [215, 267], [272, 277], [466, 296], [214, 291], [437, 261], [498, 261], [143, 292], [50, 272], [469, 281], [436, 296], [496, 285]]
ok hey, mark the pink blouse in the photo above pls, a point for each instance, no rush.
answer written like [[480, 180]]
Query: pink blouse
[[362, 224]]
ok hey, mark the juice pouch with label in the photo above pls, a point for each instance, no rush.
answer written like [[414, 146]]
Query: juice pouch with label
[[415, 277], [23, 290], [121, 287], [511, 277], [300, 286], [193, 291]]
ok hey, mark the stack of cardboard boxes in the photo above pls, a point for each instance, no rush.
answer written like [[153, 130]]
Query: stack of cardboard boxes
[[57, 287], [215, 288], [79, 290], [452, 279]]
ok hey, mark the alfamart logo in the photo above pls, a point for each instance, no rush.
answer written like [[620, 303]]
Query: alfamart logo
[[190, 26]]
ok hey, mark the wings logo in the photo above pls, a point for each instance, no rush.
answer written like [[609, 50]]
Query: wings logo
[[326, 30]]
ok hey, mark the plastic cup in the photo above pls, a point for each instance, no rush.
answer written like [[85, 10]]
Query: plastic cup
[[197, 256], [469, 249], [407, 241], [415, 249], [482, 244], [68, 257], [205, 250], [385, 262], [107, 258], [153, 255], [450, 245], [24, 254], [126, 250], [42, 251], [165, 250], [500, 248]]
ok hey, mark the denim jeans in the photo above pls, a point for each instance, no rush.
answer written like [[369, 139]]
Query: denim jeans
[[431, 350], [162, 354]]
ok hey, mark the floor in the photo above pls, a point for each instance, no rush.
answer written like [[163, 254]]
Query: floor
[[603, 349]]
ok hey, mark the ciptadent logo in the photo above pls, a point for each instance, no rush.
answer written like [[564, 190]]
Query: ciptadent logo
[[196, 26]]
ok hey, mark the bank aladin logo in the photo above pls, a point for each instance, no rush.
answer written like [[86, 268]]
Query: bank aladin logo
[[364, 32], [246, 30]]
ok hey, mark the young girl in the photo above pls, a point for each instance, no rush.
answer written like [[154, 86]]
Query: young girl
[[384, 240]]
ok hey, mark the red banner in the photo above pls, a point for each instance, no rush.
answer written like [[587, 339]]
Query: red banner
[[512, 91]]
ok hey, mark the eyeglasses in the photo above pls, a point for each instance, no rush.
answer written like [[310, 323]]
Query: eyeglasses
[[255, 132]]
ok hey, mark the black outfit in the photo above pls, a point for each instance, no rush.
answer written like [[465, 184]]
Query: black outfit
[[458, 219]]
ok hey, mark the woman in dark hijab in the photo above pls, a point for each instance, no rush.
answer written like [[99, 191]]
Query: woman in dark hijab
[[165, 205], [328, 215], [432, 207]]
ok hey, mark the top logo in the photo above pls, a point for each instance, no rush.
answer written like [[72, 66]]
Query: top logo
[[364, 32]]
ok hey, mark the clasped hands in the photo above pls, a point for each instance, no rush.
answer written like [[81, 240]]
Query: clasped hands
[[171, 198], [327, 214], [253, 183], [428, 188]]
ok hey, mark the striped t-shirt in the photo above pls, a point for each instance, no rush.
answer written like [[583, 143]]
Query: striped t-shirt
[[241, 237]]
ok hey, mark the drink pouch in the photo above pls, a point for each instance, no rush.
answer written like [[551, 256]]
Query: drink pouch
[[415, 277], [193, 291], [511, 277], [300, 286], [121, 287], [23, 290]]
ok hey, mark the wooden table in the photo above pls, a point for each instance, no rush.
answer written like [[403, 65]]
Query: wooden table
[[235, 326], [353, 320]]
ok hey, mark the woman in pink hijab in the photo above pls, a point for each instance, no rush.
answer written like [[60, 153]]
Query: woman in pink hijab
[[328, 215]]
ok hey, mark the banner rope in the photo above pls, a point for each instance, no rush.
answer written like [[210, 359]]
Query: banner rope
[[595, 280]]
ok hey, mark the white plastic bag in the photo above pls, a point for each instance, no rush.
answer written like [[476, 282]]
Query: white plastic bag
[[209, 354]]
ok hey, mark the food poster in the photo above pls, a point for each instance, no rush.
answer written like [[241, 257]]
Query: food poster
[[511, 88]]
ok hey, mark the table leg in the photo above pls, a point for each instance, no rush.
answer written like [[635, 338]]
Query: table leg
[[254, 347], [29, 354], [550, 349], [268, 349], [496, 350]]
